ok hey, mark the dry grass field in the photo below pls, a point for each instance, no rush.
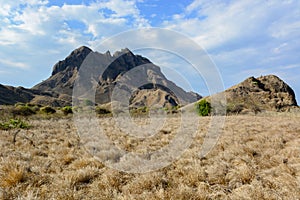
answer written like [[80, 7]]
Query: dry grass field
[[256, 157]]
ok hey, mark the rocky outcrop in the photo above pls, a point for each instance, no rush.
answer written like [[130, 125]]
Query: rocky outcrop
[[265, 93]]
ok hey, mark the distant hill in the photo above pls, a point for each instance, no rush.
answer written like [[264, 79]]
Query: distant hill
[[253, 95], [58, 88], [11, 95]]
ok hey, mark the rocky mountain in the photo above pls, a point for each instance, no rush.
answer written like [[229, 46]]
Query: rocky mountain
[[268, 93], [102, 72], [134, 79], [265, 93]]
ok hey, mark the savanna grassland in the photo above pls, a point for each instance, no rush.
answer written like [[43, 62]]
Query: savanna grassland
[[256, 157]]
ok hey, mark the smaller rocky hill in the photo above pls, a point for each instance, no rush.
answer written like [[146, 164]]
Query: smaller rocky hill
[[154, 98], [253, 95], [265, 93], [11, 95]]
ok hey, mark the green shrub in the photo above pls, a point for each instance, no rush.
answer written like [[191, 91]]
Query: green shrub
[[48, 110], [139, 111], [23, 110], [102, 111], [14, 123], [35, 108], [67, 110], [203, 107], [76, 109], [30, 105], [171, 110], [144, 109]]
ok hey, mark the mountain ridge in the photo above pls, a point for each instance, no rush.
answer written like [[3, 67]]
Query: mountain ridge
[[147, 85], [107, 71]]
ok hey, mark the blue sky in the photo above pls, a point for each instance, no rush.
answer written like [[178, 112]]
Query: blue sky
[[243, 37]]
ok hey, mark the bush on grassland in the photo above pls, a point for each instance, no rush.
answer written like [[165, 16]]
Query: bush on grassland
[[101, 111], [67, 110], [23, 110], [144, 110], [48, 110], [203, 108]]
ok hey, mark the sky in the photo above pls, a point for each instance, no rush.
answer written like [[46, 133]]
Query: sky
[[242, 37]]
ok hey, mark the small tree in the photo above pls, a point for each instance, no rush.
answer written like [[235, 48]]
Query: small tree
[[203, 107]]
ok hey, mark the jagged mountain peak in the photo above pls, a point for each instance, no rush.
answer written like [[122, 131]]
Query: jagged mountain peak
[[81, 49], [74, 60], [106, 70], [122, 51]]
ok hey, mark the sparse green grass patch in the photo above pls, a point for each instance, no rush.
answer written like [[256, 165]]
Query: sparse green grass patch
[[13, 124]]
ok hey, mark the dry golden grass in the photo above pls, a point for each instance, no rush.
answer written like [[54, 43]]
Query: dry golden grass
[[256, 157]]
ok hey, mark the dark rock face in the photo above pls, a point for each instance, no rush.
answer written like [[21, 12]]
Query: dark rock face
[[123, 61], [268, 93], [74, 60]]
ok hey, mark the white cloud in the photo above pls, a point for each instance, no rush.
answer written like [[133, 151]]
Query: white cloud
[[10, 63], [279, 49], [290, 66], [122, 8], [36, 18], [31, 29], [219, 23]]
